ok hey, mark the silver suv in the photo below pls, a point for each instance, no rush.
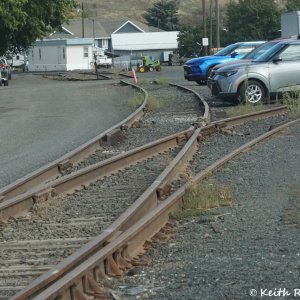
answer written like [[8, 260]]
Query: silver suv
[[274, 72]]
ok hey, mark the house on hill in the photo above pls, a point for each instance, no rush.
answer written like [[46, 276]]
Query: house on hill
[[72, 47]]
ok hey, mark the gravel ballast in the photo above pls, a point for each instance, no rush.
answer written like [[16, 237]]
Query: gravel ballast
[[65, 224], [177, 111], [242, 249]]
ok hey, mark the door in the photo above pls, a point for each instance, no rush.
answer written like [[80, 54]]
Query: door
[[285, 74]]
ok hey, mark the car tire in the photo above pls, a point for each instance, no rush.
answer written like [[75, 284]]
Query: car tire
[[6, 83], [252, 92]]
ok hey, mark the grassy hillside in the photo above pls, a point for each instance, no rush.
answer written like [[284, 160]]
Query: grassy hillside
[[190, 11]]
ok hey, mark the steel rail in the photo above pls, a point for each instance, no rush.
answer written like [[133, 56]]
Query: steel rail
[[55, 168], [206, 114], [149, 200], [17, 206], [114, 258]]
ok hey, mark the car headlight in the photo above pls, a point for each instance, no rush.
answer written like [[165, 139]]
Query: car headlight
[[228, 73]]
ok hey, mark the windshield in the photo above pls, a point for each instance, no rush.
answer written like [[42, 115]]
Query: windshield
[[269, 54], [227, 50], [260, 50]]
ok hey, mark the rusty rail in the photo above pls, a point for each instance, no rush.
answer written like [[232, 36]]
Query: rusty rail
[[206, 114], [147, 202], [115, 257], [55, 168]]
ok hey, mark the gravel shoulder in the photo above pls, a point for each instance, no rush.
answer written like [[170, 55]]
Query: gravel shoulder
[[252, 245]]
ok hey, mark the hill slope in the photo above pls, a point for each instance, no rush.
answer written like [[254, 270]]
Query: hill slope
[[190, 11]]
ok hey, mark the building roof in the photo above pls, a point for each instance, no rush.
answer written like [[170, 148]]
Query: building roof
[[98, 28]]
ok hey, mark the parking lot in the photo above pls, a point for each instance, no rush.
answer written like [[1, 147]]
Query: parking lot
[[42, 119]]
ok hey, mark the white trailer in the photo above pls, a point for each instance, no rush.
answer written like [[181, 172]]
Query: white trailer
[[290, 24]]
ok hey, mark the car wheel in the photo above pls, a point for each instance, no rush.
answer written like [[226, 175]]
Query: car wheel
[[252, 92], [151, 69], [142, 70], [6, 83]]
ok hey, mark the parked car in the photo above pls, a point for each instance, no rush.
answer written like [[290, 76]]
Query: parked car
[[198, 69], [272, 73], [4, 65], [3, 76], [255, 53]]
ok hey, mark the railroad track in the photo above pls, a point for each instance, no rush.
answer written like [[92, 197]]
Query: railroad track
[[127, 221], [134, 131], [157, 190]]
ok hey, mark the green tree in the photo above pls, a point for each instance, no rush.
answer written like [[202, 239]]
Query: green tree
[[252, 19], [23, 21], [163, 14], [189, 41], [292, 5]]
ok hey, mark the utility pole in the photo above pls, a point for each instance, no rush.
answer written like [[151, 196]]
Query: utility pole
[[204, 25], [217, 24], [82, 19], [210, 27]]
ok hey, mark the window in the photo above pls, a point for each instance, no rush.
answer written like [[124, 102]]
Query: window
[[244, 49], [64, 53], [85, 52], [105, 44], [291, 53], [40, 53]]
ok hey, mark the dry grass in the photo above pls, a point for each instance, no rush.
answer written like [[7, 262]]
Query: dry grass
[[200, 199], [136, 101], [245, 108], [189, 10], [153, 103], [292, 101]]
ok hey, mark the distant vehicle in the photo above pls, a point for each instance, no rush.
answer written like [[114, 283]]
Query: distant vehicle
[[149, 64], [100, 59], [17, 60], [198, 69], [274, 72], [5, 67], [3, 75]]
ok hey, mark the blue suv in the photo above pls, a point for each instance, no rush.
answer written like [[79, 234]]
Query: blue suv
[[198, 69]]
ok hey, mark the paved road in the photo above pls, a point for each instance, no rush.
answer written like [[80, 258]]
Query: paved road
[[42, 119]]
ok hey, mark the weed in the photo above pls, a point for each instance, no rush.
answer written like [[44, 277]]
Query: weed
[[200, 199], [245, 108], [136, 100], [153, 103], [292, 101], [164, 81]]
